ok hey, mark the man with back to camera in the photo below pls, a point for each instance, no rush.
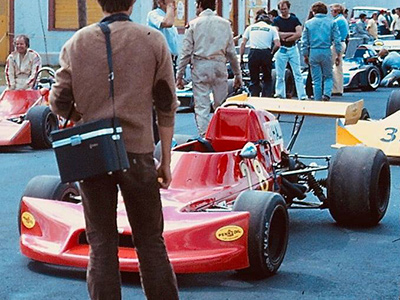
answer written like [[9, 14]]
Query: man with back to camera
[[82, 84], [337, 13], [22, 65], [289, 29], [319, 33], [207, 45], [262, 37]]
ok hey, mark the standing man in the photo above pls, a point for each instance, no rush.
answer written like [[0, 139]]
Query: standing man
[[207, 45], [318, 36], [136, 50], [337, 13], [395, 27], [372, 26], [262, 38], [22, 65], [162, 18], [289, 29]]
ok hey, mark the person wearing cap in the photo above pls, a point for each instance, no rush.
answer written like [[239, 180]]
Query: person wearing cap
[[383, 27], [390, 66], [264, 41]]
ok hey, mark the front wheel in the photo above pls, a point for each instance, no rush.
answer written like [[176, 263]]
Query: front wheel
[[42, 122], [51, 188], [393, 103], [268, 230], [359, 186]]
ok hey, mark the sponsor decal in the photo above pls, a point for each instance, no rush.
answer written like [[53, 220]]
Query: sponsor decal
[[229, 233], [28, 220]]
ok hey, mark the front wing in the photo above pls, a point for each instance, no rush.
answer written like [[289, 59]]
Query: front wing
[[53, 232]]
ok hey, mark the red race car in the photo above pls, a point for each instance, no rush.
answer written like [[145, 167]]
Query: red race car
[[25, 117], [226, 208]]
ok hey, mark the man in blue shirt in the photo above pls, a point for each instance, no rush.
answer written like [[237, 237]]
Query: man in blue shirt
[[390, 66], [162, 17], [337, 13], [319, 34]]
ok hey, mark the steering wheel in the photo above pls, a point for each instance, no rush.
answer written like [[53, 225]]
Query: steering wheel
[[41, 81]]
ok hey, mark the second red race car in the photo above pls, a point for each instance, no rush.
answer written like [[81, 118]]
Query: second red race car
[[25, 118], [226, 208]]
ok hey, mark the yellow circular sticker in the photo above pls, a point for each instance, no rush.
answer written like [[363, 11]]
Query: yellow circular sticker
[[229, 233], [28, 220]]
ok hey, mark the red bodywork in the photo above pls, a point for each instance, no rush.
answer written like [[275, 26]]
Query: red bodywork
[[14, 105], [197, 239]]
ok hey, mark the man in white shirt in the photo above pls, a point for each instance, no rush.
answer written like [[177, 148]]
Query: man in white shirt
[[22, 65], [264, 41]]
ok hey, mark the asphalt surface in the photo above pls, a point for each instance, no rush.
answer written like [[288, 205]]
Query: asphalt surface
[[323, 260]]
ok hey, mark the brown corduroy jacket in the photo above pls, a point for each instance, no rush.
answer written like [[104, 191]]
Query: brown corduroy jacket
[[143, 77]]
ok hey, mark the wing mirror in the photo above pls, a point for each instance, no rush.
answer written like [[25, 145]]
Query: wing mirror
[[248, 151]]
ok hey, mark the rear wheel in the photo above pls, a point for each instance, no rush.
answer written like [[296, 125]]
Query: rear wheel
[[393, 103], [268, 230], [359, 186], [372, 79], [51, 188], [43, 122]]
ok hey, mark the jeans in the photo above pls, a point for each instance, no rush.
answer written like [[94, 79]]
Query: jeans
[[321, 72], [140, 190], [260, 60], [289, 55]]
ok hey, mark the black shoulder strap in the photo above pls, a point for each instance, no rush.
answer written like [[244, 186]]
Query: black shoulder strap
[[106, 30]]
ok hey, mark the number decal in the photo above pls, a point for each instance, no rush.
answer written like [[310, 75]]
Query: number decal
[[244, 168], [391, 134], [260, 174], [259, 170]]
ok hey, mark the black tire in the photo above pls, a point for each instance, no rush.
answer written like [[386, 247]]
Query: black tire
[[364, 114], [372, 79], [43, 122], [51, 188], [268, 230], [393, 103], [358, 186], [177, 140]]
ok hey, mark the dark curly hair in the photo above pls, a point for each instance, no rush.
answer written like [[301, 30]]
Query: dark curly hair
[[112, 6], [204, 4]]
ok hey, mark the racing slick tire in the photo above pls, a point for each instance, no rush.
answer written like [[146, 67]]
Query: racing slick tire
[[393, 103], [358, 186], [268, 231], [51, 188], [372, 79], [43, 122]]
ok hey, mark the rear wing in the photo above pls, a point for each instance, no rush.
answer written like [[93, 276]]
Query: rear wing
[[351, 112]]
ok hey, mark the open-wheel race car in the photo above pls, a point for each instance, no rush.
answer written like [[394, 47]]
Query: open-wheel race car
[[226, 208], [382, 134], [25, 118]]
